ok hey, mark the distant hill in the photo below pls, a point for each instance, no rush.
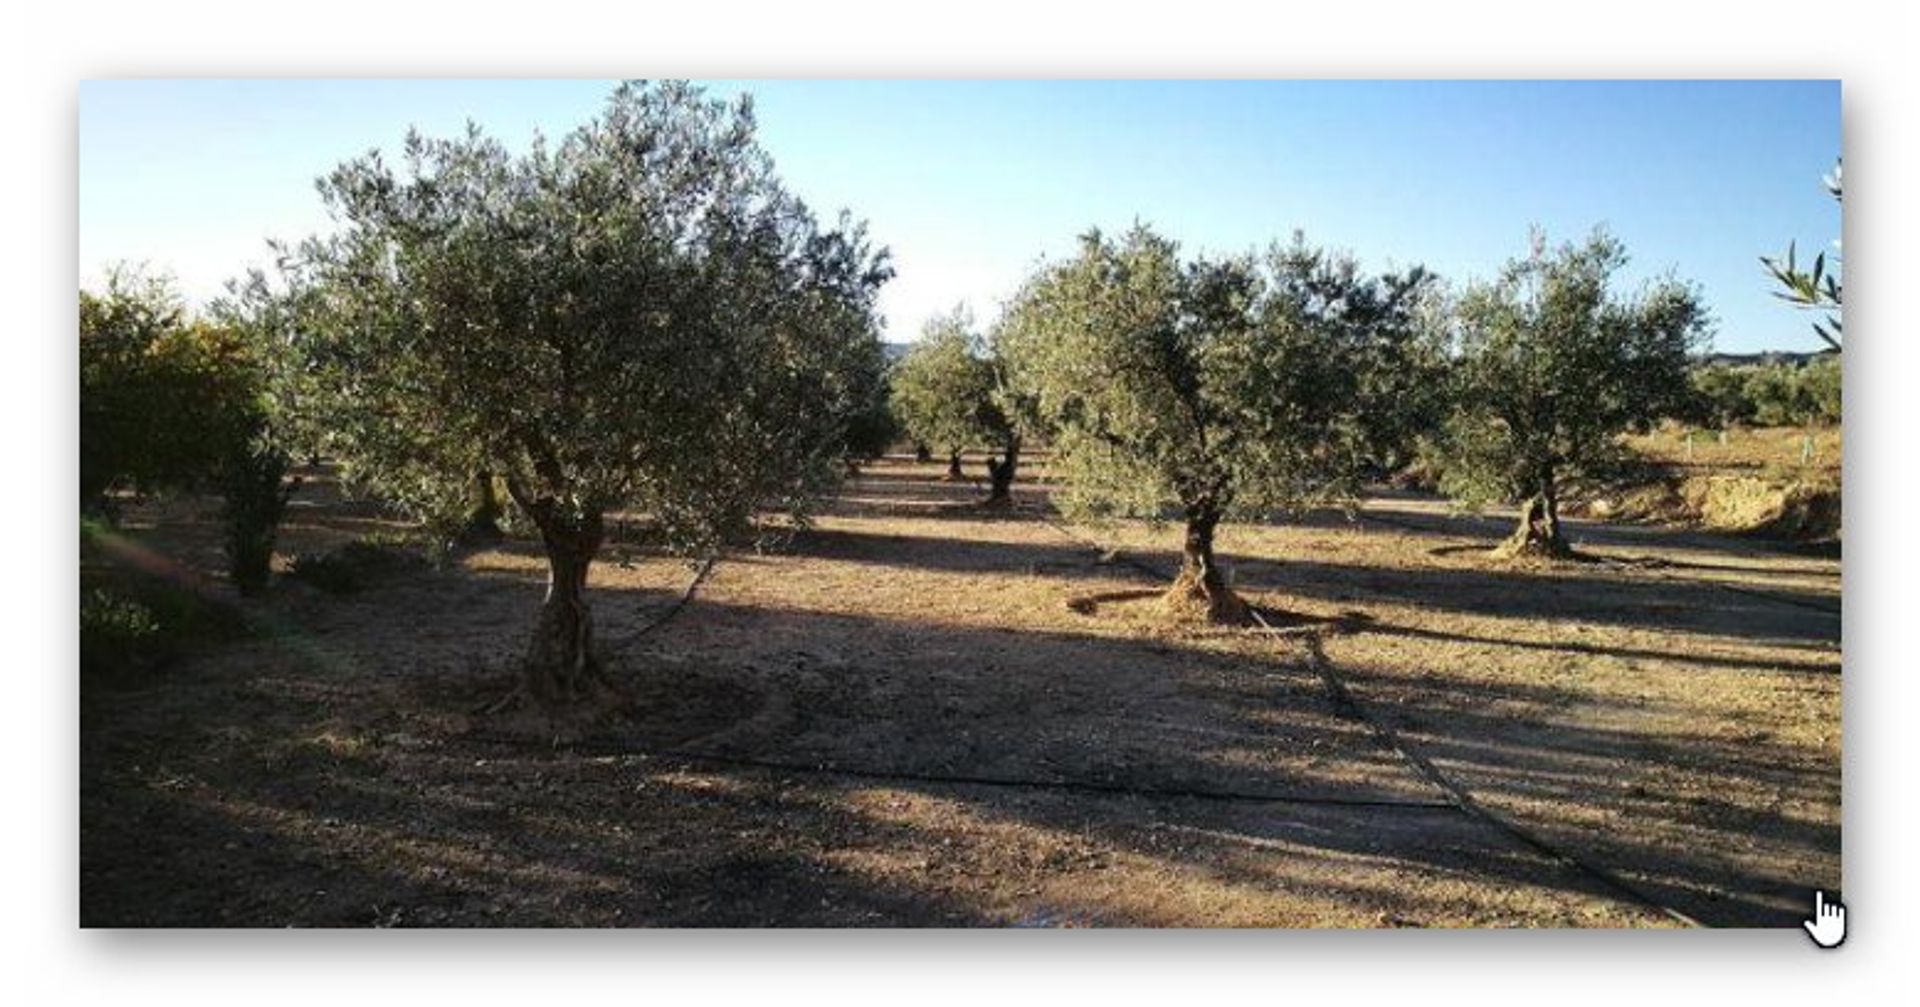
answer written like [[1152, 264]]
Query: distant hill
[[895, 351]]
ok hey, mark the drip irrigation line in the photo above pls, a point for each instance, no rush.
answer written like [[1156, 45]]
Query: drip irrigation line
[[699, 576], [1463, 799], [1458, 796]]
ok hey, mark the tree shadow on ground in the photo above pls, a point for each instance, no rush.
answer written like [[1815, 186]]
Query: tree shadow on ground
[[1623, 598], [321, 761], [1429, 514]]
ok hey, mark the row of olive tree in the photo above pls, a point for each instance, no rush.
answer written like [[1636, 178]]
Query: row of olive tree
[[952, 389], [642, 318], [1239, 387]]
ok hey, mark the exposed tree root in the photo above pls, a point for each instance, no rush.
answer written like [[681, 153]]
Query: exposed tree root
[[1193, 599]]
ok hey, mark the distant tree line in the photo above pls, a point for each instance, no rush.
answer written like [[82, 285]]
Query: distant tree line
[[1776, 394]]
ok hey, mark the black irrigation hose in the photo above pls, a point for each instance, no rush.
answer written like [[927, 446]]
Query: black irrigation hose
[[1463, 799], [613, 748], [1833, 610], [1458, 797], [699, 575]]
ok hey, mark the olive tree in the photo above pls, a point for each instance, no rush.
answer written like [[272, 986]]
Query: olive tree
[[640, 316], [1208, 389], [871, 427], [942, 390], [1011, 414], [1553, 366]]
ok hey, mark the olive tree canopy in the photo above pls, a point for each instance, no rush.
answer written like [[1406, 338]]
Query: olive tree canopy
[[942, 389], [1209, 388], [639, 316], [1552, 367]]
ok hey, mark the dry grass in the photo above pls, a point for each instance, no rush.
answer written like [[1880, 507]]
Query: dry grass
[[1743, 449], [331, 770]]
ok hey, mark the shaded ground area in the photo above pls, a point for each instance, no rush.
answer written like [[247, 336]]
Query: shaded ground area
[[925, 714]]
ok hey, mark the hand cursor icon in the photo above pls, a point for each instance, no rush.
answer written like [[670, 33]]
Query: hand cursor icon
[[1829, 924]]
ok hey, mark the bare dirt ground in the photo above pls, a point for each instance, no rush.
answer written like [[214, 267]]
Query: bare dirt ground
[[923, 714]]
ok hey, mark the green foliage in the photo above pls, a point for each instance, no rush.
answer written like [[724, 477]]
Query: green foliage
[[1720, 397], [871, 426], [1223, 387], [1553, 366], [169, 402], [115, 631], [1819, 386], [163, 397], [254, 492], [134, 621], [943, 389], [138, 624], [1815, 287], [1769, 395], [638, 316]]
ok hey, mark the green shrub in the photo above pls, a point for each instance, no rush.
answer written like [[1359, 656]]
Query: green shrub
[[354, 566], [135, 623], [255, 490], [117, 634]]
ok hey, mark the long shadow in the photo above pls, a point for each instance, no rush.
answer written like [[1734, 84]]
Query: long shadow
[[332, 841], [1580, 647], [1621, 598], [835, 717], [1521, 766], [1583, 531], [416, 803]]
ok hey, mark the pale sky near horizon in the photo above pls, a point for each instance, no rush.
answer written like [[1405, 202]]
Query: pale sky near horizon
[[970, 182]]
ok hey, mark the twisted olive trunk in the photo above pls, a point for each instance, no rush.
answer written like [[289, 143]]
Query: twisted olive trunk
[[561, 663], [953, 468], [1539, 532], [1000, 472], [1201, 583]]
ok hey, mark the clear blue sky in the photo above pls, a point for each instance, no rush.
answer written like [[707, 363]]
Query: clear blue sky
[[969, 183]]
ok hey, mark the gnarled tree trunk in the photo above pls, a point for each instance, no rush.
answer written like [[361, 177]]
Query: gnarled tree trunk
[[562, 664], [1539, 532], [1000, 473], [1201, 589], [922, 453], [953, 468]]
